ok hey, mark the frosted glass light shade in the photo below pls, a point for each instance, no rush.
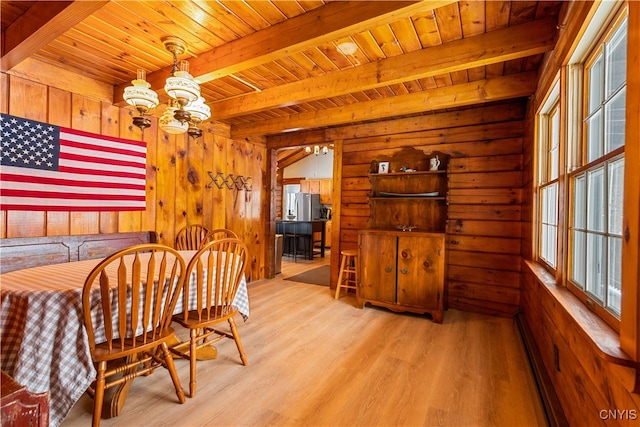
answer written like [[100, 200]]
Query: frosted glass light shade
[[170, 124], [198, 110], [181, 86], [140, 94]]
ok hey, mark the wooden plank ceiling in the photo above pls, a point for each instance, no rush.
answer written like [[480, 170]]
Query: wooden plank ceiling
[[268, 67]]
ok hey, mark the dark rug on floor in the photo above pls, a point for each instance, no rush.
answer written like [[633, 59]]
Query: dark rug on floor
[[317, 276]]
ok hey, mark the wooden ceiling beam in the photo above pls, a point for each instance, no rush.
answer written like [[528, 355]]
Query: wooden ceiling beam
[[321, 25], [39, 26], [477, 92], [502, 45], [290, 157], [297, 139]]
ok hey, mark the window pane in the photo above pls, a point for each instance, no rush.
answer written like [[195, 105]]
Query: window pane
[[594, 137], [579, 208], [616, 190], [617, 59], [544, 242], [614, 293], [552, 191], [615, 121], [551, 238], [549, 229], [596, 79], [579, 252], [595, 200], [595, 265], [554, 141]]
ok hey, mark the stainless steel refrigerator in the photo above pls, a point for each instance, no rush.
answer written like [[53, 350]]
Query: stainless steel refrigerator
[[307, 206]]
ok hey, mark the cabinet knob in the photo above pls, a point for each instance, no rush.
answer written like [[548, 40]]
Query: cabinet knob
[[388, 269], [404, 271]]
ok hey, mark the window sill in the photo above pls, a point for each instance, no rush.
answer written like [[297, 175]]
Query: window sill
[[604, 340]]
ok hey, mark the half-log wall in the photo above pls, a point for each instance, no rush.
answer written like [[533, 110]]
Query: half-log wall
[[177, 177], [485, 195]]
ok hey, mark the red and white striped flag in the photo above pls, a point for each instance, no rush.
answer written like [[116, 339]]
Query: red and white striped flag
[[51, 168]]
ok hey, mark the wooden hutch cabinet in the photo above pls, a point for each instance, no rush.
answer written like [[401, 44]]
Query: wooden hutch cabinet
[[402, 253], [405, 271]]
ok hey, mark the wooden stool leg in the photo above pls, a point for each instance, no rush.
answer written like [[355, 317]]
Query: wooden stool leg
[[355, 272], [352, 278], [342, 264]]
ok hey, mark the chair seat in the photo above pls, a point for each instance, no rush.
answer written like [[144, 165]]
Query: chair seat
[[195, 319], [102, 351]]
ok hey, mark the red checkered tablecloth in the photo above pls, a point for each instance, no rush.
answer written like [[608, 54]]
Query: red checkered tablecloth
[[43, 338]]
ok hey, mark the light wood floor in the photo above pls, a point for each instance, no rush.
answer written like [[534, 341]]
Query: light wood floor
[[315, 361]]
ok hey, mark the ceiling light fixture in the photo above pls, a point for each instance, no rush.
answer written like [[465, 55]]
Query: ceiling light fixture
[[316, 150], [185, 110]]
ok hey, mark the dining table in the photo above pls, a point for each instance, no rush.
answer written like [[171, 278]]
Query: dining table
[[42, 332]]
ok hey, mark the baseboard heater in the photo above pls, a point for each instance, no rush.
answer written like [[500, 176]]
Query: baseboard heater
[[552, 407]]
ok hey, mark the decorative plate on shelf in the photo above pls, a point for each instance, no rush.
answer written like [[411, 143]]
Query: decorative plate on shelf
[[406, 227], [432, 194]]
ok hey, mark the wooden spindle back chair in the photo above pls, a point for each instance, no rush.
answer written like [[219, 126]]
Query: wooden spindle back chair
[[217, 234], [190, 237], [128, 300], [215, 273]]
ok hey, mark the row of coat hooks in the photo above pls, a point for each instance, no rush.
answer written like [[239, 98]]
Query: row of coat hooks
[[230, 181]]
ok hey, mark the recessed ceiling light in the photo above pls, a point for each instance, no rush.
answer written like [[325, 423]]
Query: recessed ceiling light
[[347, 48]]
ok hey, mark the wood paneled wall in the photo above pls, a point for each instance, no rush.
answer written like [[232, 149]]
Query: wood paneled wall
[[177, 177], [485, 195]]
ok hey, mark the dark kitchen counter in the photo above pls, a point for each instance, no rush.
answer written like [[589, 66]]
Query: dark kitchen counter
[[306, 229]]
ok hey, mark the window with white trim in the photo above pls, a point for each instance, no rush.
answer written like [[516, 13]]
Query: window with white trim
[[595, 228], [587, 182], [548, 173]]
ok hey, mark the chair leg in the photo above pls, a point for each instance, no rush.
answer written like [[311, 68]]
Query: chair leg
[[98, 396], [236, 338], [171, 367], [192, 362]]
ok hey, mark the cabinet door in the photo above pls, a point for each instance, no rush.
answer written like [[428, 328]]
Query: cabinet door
[[310, 186], [420, 271], [326, 191], [378, 267]]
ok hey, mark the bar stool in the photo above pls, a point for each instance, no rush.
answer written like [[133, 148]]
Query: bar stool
[[348, 277]]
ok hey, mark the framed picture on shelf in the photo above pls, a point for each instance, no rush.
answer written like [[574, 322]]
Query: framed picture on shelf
[[383, 167]]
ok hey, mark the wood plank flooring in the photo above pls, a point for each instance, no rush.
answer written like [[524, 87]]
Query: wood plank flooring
[[316, 361]]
